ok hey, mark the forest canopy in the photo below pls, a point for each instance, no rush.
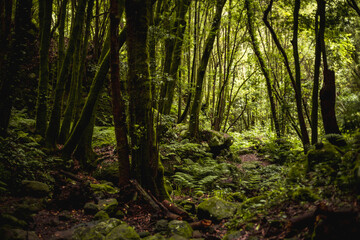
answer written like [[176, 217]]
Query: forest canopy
[[168, 92]]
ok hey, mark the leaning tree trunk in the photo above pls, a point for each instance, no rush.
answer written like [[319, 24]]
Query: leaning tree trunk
[[264, 69], [176, 57], [146, 166], [54, 124], [196, 105]]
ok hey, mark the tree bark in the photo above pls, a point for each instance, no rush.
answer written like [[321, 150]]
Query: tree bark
[[196, 104], [17, 57], [319, 29], [264, 69], [146, 166], [52, 132], [118, 102]]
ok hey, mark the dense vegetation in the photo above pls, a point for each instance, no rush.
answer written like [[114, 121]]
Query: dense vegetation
[[219, 119]]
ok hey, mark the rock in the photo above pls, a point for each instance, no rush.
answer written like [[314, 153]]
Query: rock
[[101, 215], [217, 141], [123, 232], [233, 235], [215, 209], [108, 205], [35, 188], [95, 230], [10, 220], [161, 225], [119, 214], [65, 215], [181, 228], [104, 188], [28, 207], [91, 208], [324, 153], [157, 236], [144, 234], [17, 234], [177, 237], [108, 172]]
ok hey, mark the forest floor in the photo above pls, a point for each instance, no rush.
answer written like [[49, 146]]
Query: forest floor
[[268, 208]]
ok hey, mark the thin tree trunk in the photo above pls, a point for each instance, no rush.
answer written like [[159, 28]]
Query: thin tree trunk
[[54, 124], [196, 105], [264, 69], [176, 56], [315, 94], [118, 102]]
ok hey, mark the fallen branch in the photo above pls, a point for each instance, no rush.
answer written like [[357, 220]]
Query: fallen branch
[[175, 209], [205, 223]]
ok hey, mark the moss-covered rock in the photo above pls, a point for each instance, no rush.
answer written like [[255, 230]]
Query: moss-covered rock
[[161, 225], [323, 153], [101, 215], [94, 230], [217, 141], [108, 205], [304, 194], [233, 235], [35, 188], [157, 236], [104, 188], [216, 209], [181, 228], [108, 172], [177, 237], [10, 220], [91, 208], [123, 232], [17, 234]]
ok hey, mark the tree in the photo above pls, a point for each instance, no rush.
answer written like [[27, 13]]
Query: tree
[[118, 102], [53, 129], [264, 69], [17, 56], [196, 104], [146, 166], [296, 83]]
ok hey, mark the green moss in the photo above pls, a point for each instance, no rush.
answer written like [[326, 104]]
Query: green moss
[[101, 215], [304, 194], [324, 153], [104, 188], [216, 209], [108, 205], [123, 232], [181, 228]]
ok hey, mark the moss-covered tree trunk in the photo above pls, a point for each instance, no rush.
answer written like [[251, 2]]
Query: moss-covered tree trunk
[[146, 166], [54, 124], [319, 31], [176, 56], [196, 104], [118, 101], [61, 41], [17, 56], [264, 69], [41, 104]]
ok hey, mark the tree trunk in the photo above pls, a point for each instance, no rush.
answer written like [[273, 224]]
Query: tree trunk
[[61, 46], [90, 104], [176, 56], [118, 102], [17, 57], [196, 105], [319, 30], [54, 124], [146, 165], [264, 69]]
